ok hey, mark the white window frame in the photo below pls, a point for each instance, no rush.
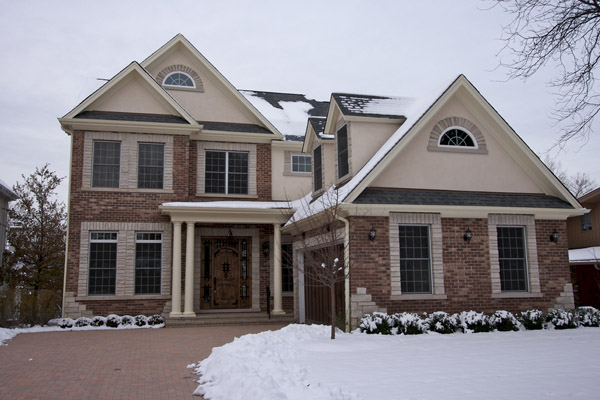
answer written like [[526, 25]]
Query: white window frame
[[93, 166], [115, 241], [428, 256], [460, 128], [527, 278], [305, 156], [227, 152], [180, 86], [135, 260]]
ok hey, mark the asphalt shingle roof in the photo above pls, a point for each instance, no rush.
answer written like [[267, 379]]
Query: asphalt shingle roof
[[372, 106], [320, 108], [137, 117]]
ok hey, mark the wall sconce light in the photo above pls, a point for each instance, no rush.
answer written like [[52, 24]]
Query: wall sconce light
[[468, 235], [265, 249], [554, 236], [372, 233]]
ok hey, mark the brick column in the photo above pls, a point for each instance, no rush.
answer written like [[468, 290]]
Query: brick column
[[189, 272], [176, 291], [277, 295]]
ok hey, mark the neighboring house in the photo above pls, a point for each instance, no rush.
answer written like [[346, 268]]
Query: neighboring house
[[169, 143], [6, 196], [584, 251]]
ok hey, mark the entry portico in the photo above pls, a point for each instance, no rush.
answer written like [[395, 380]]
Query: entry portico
[[223, 263]]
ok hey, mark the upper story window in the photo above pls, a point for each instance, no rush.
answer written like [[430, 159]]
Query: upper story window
[[457, 137], [318, 169], [179, 79], [342, 151], [226, 172], [151, 164], [106, 165], [301, 163]]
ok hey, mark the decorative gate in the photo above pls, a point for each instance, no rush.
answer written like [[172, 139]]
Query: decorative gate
[[225, 273]]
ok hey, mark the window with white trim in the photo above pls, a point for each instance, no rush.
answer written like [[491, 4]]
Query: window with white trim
[[151, 164], [301, 163], [415, 258], [512, 256], [457, 137], [226, 172], [106, 164], [102, 273], [148, 262], [342, 151], [179, 78], [318, 169]]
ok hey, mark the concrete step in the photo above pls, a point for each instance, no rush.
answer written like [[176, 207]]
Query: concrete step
[[220, 319]]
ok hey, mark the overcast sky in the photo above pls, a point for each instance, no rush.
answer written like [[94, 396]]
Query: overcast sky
[[54, 51]]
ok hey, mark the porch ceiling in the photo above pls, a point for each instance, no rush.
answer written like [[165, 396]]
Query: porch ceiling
[[232, 212]]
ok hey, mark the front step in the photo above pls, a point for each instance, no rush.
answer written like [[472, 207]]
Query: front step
[[221, 319]]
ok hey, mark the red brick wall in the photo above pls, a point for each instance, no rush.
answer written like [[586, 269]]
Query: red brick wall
[[467, 280]]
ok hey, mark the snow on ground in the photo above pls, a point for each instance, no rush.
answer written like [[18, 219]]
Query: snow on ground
[[301, 362]]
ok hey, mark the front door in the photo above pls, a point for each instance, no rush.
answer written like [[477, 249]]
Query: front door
[[226, 273]]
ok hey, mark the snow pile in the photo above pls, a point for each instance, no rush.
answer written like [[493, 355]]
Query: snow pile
[[301, 362], [7, 334]]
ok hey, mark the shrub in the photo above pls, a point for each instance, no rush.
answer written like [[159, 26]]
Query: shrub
[[504, 321], [374, 323], [65, 323], [156, 320], [113, 321], [588, 316], [472, 321], [532, 320], [409, 324], [127, 320], [442, 322], [98, 321], [82, 321], [562, 319], [141, 320]]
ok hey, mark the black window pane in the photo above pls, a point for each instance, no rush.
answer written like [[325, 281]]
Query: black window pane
[[287, 271], [512, 259], [342, 141], [457, 137], [415, 270], [148, 262], [102, 268], [214, 180], [318, 174], [301, 163], [151, 160], [238, 173], [106, 164]]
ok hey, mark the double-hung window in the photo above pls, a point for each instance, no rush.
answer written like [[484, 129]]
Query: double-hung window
[[151, 164], [342, 149], [512, 256], [226, 172], [415, 259], [106, 164], [148, 262], [301, 163], [103, 263], [318, 173]]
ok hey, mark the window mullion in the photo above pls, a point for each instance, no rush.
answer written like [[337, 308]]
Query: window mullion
[[226, 172]]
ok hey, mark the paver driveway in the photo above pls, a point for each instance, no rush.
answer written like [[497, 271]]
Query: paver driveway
[[123, 364]]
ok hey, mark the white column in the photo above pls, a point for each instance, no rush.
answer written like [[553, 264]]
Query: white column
[[277, 297], [176, 283], [188, 309]]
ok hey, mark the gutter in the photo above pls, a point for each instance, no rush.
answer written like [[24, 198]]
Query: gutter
[[346, 270]]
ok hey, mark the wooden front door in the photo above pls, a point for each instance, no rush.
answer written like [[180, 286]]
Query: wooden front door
[[226, 273], [588, 280]]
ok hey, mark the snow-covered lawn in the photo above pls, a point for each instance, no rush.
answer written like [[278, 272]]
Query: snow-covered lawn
[[301, 362]]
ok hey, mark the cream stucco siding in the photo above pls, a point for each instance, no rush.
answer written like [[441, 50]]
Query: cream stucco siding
[[214, 103], [416, 167], [365, 139], [134, 96], [329, 164], [287, 187]]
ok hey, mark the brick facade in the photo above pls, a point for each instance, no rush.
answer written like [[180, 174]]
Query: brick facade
[[466, 269]]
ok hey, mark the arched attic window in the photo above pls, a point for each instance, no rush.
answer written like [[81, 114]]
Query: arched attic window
[[179, 79], [458, 135]]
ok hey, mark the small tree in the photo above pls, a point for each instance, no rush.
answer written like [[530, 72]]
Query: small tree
[[578, 184], [37, 223], [319, 228]]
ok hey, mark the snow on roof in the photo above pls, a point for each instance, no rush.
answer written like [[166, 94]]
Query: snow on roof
[[586, 255], [287, 111], [376, 106], [257, 205], [7, 191]]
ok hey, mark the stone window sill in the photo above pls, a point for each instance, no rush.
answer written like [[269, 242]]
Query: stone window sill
[[232, 196], [125, 190], [418, 297], [129, 297], [513, 295]]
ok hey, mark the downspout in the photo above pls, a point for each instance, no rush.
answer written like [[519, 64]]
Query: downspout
[[346, 270], [68, 224]]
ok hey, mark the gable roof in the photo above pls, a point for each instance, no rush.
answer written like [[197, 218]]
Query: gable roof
[[180, 40], [593, 196]]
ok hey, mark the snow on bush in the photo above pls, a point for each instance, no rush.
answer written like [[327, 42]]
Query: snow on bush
[[98, 321], [532, 320], [504, 321], [472, 321], [442, 322], [65, 323], [82, 321], [409, 324], [156, 320], [141, 320], [377, 323], [562, 319], [113, 321], [588, 316], [127, 320]]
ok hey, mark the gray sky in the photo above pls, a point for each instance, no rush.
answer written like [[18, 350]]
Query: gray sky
[[54, 51]]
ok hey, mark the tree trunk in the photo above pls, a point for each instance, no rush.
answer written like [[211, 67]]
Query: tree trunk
[[332, 295]]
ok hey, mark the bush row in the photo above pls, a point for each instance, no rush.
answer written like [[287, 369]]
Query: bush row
[[112, 321], [472, 321]]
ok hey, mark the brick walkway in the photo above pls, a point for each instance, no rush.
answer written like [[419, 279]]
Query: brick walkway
[[124, 364]]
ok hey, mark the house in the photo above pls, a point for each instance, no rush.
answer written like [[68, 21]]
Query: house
[[6, 196], [178, 177], [584, 251]]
